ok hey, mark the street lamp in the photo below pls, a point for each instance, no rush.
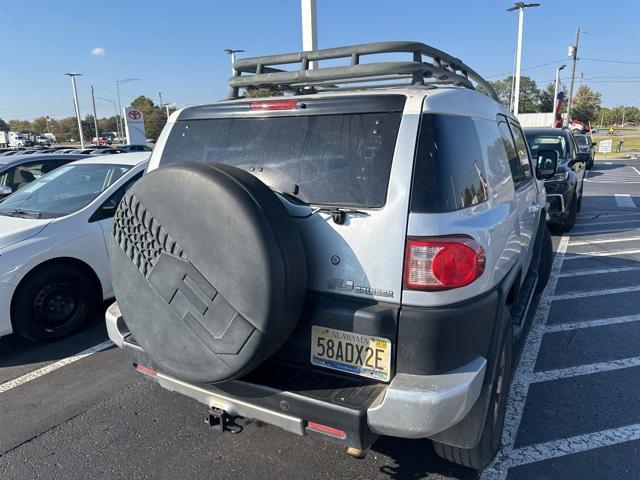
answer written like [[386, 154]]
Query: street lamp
[[232, 54], [75, 102], [115, 108], [520, 6], [555, 94], [121, 125]]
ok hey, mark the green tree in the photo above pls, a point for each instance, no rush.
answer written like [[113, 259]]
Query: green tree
[[546, 100], [39, 125], [529, 93], [20, 125], [4, 126], [154, 116], [585, 104]]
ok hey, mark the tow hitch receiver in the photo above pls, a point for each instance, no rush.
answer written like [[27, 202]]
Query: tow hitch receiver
[[221, 421]]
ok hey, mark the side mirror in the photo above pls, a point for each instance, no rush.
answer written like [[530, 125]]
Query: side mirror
[[547, 164], [5, 191], [593, 144]]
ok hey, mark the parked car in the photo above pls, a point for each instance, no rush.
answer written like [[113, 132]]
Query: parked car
[[342, 264], [102, 141], [53, 256], [20, 170], [135, 148], [564, 189], [586, 145]]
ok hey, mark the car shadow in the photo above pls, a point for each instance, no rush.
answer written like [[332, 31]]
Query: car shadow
[[21, 356]]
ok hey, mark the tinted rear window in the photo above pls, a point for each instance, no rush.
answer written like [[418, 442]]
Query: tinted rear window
[[338, 159], [547, 142], [449, 171]]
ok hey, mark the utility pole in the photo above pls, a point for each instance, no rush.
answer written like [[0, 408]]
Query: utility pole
[[75, 103], [520, 6], [46, 119], [309, 28], [95, 116], [573, 52]]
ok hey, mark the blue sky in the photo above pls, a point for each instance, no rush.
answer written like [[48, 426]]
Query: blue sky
[[176, 47]]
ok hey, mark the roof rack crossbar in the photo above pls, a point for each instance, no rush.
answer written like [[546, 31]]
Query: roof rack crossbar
[[443, 68]]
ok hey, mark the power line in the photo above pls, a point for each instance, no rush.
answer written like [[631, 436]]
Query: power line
[[610, 61], [527, 68]]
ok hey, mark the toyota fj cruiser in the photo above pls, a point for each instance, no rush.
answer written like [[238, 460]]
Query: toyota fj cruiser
[[345, 258]]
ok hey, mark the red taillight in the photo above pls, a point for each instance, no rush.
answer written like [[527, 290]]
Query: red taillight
[[274, 105], [442, 263], [146, 370], [324, 429]]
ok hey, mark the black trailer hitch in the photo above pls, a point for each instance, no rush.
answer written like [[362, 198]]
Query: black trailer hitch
[[222, 421]]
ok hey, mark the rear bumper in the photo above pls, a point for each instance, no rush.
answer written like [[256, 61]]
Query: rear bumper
[[411, 406]]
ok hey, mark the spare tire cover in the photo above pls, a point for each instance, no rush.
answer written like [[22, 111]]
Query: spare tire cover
[[208, 269]]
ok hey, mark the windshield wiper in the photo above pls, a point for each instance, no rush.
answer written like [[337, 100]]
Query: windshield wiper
[[339, 214], [18, 212]]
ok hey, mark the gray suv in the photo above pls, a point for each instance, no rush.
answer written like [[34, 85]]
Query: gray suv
[[340, 261]]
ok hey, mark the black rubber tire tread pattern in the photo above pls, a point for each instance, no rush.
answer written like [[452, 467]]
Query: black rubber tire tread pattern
[[480, 456], [208, 268]]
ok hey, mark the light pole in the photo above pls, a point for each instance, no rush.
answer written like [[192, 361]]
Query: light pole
[[118, 83], [555, 94], [95, 115], [115, 108], [75, 102], [232, 55], [520, 6], [162, 104], [309, 27]]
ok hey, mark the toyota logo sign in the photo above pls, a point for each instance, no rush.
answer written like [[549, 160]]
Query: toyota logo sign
[[134, 115]]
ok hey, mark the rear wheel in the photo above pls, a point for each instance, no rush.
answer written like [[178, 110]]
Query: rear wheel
[[568, 224], [480, 456], [51, 303]]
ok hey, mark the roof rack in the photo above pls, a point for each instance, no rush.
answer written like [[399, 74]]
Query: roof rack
[[441, 69]]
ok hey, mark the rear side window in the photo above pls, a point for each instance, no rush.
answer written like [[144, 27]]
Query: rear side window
[[517, 174], [449, 171], [337, 159], [523, 152]]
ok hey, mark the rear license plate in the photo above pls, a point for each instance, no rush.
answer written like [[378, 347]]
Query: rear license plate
[[350, 352]]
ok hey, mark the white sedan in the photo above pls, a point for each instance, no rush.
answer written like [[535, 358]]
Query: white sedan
[[54, 233]]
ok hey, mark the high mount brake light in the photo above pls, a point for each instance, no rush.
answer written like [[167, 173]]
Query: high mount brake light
[[274, 105], [442, 263]]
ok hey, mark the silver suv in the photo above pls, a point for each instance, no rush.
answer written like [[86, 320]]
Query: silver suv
[[340, 261]]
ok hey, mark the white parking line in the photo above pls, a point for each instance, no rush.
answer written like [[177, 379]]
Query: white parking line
[[604, 231], [602, 253], [636, 170], [624, 200], [53, 366], [600, 322], [522, 376], [585, 369], [606, 240], [595, 293], [616, 222], [581, 273], [572, 445]]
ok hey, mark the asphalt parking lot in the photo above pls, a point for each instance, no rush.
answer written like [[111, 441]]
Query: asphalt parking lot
[[76, 409]]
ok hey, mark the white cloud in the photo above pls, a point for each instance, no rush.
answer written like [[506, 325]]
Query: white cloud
[[98, 52]]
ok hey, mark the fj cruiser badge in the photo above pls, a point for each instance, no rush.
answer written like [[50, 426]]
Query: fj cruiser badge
[[349, 285]]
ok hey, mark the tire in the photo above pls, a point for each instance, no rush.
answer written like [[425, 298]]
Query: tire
[[480, 456], [546, 260], [209, 295], [568, 224], [52, 303]]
